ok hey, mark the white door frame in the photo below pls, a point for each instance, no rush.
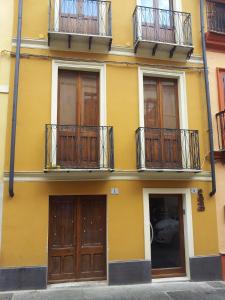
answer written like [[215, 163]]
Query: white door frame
[[188, 225]]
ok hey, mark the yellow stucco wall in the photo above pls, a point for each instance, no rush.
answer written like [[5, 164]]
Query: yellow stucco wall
[[25, 234], [6, 23], [122, 99], [217, 60]]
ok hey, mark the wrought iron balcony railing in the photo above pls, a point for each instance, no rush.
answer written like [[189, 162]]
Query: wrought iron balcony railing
[[163, 26], [216, 16], [220, 121], [79, 147], [82, 17], [175, 149]]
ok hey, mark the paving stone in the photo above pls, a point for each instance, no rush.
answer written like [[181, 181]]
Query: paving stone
[[6, 296], [216, 284], [184, 295]]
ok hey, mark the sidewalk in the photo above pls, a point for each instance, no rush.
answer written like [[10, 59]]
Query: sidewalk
[[153, 291]]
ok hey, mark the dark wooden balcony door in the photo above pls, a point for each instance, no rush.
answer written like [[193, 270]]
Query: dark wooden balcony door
[[158, 23], [79, 16], [78, 134], [221, 85], [167, 238], [161, 116], [77, 238]]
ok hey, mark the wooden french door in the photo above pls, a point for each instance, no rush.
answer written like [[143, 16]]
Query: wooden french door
[[221, 92], [78, 134], [77, 238], [167, 236], [161, 116], [79, 16], [158, 23]]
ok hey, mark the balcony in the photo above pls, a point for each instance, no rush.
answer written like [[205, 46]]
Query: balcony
[[80, 25], [162, 33], [71, 147], [215, 36], [167, 149], [220, 121]]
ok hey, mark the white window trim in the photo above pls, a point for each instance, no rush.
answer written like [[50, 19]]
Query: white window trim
[[79, 66], [182, 96], [188, 224]]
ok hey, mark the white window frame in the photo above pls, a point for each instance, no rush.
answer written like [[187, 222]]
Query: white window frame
[[188, 224], [182, 98], [78, 66]]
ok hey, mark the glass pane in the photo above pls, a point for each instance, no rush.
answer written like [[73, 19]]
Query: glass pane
[[68, 6], [67, 98], [90, 8], [150, 103], [169, 98], [166, 244], [148, 3], [164, 4]]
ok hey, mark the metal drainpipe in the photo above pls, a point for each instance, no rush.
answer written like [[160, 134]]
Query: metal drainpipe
[[208, 102], [15, 99]]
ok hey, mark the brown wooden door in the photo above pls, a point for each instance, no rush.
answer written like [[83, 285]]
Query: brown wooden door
[[221, 92], [167, 240], [162, 135], [77, 238], [158, 23], [78, 113], [79, 16]]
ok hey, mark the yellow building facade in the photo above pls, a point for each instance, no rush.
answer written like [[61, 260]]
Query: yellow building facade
[[112, 176], [216, 56], [6, 16]]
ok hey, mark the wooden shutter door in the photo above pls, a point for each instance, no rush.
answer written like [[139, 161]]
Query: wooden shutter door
[[165, 21], [221, 90], [171, 136], [89, 151], [92, 238], [62, 237], [153, 147]]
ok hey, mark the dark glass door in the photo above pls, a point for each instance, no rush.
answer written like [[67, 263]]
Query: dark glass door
[[167, 247]]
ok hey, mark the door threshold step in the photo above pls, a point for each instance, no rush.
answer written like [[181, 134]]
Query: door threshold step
[[77, 284]]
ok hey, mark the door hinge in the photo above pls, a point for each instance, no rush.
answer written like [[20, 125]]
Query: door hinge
[[183, 211]]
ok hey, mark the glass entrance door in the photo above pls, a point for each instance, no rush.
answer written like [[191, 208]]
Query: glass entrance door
[[167, 236]]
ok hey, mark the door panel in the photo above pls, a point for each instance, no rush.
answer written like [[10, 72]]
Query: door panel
[[162, 134], [62, 240], [77, 238], [79, 16], [91, 246], [167, 248], [78, 108]]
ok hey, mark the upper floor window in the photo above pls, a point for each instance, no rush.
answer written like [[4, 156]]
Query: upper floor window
[[79, 7], [216, 16], [161, 4]]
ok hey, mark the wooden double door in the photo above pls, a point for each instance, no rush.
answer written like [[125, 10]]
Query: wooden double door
[[79, 16], [78, 131], [77, 238], [158, 20], [161, 116]]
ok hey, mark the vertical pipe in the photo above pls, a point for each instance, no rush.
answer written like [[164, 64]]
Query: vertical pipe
[[208, 102], [15, 99]]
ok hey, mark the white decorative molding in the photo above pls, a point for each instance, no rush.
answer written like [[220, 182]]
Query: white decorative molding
[[188, 224], [116, 50], [4, 89], [100, 175]]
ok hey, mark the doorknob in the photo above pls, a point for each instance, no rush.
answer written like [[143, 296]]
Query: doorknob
[[151, 233]]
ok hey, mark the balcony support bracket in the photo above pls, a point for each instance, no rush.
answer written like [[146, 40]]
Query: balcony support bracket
[[190, 53], [154, 49], [110, 44], [172, 51], [136, 47], [69, 41], [49, 39], [90, 42]]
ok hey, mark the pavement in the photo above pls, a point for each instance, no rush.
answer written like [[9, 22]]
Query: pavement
[[155, 291]]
